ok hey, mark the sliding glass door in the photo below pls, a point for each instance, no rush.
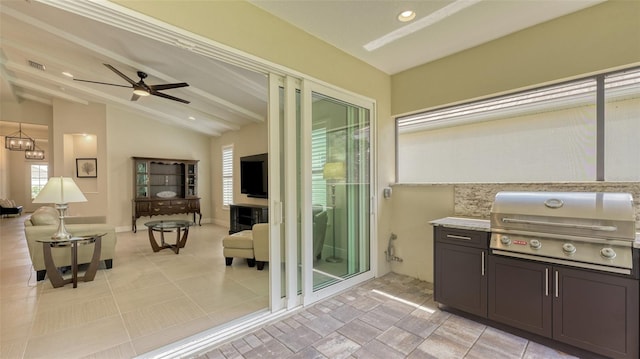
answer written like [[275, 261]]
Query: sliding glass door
[[336, 211], [321, 206]]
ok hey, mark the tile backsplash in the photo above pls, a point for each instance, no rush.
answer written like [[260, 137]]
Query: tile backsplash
[[475, 199]]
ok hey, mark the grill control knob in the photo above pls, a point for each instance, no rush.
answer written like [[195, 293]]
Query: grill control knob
[[569, 248], [535, 244], [505, 240], [608, 253]]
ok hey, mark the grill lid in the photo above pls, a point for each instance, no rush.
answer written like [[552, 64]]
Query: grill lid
[[586, 214]]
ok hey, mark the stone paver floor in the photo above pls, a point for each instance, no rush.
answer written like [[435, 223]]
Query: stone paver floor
[[390, 317]]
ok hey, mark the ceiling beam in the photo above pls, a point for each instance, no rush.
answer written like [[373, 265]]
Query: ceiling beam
[[4, 78], [39, 88], [57, 81], [250, 115], [159, 115], [28, 96]]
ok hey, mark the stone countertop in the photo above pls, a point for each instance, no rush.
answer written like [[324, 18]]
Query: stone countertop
[[636, 244], [474, 224]]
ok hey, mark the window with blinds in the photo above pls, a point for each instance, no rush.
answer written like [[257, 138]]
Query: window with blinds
[[39, 178], [318, 159], [546, 134], [227, 176]]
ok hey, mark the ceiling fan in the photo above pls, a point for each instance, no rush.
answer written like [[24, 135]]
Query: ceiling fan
[[142, 89]]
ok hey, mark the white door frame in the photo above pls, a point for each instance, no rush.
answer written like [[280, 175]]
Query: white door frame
[[309, 87]]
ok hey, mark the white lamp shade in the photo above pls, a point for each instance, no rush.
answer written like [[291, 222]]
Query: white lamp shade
[[334, 171], [60, 190]]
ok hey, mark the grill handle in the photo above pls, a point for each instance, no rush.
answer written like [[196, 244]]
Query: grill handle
[[563, 225]]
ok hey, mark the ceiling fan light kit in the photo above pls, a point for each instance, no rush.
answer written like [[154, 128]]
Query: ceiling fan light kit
[[140, 88], [141, 92]]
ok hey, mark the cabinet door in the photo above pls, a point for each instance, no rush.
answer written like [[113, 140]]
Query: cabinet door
[[141, 184], [520, 294], [143, 208], [597, 312], [194, 205], [460, 278], [233, 219], [192, 180]]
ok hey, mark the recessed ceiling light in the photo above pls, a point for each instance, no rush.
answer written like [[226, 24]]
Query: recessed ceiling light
[[68, 74], [407, 15], [425, 21]]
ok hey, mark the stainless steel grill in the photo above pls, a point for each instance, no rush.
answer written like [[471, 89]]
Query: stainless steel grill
[[584, 229]]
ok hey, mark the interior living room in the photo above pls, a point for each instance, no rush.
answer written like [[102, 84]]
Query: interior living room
[[355, 178]]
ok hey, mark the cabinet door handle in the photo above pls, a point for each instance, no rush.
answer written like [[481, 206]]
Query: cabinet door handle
[[546, 282], [453, 236], [556, 280], [483, 263]]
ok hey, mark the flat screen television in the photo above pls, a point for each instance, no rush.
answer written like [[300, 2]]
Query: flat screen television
[[253, 175]]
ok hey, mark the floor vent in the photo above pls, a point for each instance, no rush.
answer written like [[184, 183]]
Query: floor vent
[[36, 65]]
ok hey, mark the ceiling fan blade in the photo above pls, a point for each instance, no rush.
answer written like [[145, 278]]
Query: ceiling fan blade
[[134, 97], [168, 86], [102, 83], [133, 83], [160, 94]]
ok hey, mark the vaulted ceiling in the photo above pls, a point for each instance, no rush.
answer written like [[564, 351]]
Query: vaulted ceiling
[[39, 42]]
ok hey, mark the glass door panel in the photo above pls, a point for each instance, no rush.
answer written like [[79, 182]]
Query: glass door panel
[[340, 190], [284, 143]]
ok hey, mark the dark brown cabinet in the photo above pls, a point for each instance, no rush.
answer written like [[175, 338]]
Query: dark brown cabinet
[[244, 216], [596, 311], [591, 310], [520, 294], [460, 279], [164, 186]]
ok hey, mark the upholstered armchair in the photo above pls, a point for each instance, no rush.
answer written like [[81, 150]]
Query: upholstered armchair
[[254, 244], [320, 219], [44, 222], [260, 233], [251, 244]]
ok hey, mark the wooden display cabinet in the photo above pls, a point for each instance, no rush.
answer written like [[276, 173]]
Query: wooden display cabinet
[[164, 186]]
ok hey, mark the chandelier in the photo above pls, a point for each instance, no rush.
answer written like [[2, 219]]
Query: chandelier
[[36, 154], [19, 141]]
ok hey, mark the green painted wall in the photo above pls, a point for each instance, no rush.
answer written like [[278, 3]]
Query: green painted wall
[[601, 37]]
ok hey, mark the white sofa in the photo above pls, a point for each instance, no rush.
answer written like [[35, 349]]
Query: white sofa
[[43, 223]]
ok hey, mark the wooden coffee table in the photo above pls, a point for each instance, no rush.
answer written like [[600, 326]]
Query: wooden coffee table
[[163, 226]]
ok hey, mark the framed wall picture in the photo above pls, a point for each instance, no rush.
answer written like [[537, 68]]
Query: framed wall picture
[[86, 167]]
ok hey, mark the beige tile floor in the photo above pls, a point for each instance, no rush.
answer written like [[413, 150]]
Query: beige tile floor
[[147, 300]]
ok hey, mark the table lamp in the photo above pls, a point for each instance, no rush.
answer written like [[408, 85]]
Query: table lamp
[[334, 171], [61, 191]]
